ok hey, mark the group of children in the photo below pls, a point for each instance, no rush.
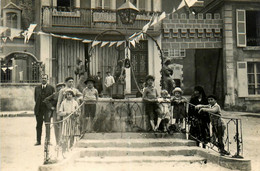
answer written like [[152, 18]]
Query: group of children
[[159, 108], [159, 111]]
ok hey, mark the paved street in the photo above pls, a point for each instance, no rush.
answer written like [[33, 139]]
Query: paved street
[[18, 136]]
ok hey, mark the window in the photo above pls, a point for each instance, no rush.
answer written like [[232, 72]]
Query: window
[[253, 75], [65, 5], [253, 28], [11, 20], [175, 53], [103, 4], [248, 28]]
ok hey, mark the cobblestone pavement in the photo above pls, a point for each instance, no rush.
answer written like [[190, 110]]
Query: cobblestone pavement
[[17, 138]]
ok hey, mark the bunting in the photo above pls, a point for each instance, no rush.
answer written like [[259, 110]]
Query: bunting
[[104, 43], [155, 21], [14, 33], [87, 41], [96, 42], [3, 29], [162, 16], [112, 43], [132, 42], [119, 43]]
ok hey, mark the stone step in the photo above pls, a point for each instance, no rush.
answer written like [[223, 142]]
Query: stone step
[[134, 143], [132, 135], [141, 159], [145, 151]]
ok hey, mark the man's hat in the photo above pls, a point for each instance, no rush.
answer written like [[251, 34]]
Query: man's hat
[[177, 89], [90, 79], [60, 84], [69, 78], [149, 77]]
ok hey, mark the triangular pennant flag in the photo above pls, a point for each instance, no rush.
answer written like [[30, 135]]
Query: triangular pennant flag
[[182, 4], [142, 36], [173, 10], [133, 35], [119, 43], [132, 42], [191, 2], [25, 34], [96, 42], [112, 43], [65, 37], [162, 16], [14, 33], [55, 35], [137, 39], [40, 32], [155, 21], [145, 28], [30, 32], [87, 41], [104, 43], [4, 39], [75, 38], [3, 29]]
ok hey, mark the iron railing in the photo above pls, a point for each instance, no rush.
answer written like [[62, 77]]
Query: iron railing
[[115, 116]]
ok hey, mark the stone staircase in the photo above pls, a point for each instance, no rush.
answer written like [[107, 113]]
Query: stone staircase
[[140, 151]]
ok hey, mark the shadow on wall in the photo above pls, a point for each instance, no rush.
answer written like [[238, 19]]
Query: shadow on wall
[[17, 97]]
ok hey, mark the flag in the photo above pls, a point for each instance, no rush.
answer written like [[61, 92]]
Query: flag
[[75, 38], [146, 26], [155, 21], [14, 33], [29, 32], [55, 35], [182, 4], [87, 41], [112, 43], [65, 37], [96, 42], [132, 42], [173, 10], [191, 2], [119, 43], [4, 39], [3, 29], [40, 32], [104, 43], [162, 16], [133, 35]]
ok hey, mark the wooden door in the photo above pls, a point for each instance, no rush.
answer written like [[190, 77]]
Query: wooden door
[[139, 64]]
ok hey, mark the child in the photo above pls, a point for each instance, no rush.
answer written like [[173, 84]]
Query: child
[[150, 95], [69, 127], [179, 107], [90, 96], [218, 126], [109, 81], [164, 111]]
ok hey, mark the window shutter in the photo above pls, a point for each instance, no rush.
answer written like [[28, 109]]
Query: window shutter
[[242, 79], [241, 28]]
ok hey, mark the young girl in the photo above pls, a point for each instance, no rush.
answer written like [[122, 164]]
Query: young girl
[[70, 126], [179, 106], [164, 111]]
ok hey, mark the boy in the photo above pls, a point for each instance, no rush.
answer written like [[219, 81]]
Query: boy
[[150, 95], [164, 111], [218, 126], [90, 97], [109, 81]]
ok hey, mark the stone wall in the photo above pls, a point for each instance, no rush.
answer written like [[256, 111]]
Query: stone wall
[[182, 31], [17, 97]]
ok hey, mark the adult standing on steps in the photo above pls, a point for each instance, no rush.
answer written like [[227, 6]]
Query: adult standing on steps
[[40, 110], [51, 102]]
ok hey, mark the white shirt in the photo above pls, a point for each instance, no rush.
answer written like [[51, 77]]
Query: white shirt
[[68, 106], [109, 81]]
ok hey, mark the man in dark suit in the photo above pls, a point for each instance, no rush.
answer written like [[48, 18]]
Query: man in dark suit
[[40, 110]]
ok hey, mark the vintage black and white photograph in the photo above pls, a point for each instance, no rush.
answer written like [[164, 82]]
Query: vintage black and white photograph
[[123, 85]]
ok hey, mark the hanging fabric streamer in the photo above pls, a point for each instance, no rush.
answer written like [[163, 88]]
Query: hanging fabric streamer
[[104, 43], [3, 29], [96, 42], [119, 43], [112, 43], [14, 33]]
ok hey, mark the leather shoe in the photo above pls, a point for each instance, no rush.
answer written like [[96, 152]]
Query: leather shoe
[[37, 143]]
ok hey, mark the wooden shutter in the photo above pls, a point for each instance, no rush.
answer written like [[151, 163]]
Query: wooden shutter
[[241, 28], [242, 79]]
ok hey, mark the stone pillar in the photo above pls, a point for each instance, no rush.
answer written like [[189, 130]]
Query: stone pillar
[[113, 4], [46, 54], [154, 61], [228, 43], [128, 74], [77, 3]]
